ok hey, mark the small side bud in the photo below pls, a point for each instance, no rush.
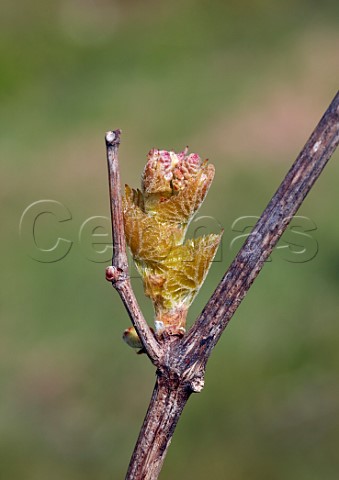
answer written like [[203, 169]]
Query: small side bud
[[131, 337], [113, 274]]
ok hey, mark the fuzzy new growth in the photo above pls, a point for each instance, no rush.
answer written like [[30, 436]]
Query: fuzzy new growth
[[156, 218], [181, 362]]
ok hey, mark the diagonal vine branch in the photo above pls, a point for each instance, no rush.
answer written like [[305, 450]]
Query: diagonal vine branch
[[181, 362], [248, 263]]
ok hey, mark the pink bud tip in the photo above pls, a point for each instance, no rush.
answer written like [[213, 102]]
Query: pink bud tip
[[111, 274], [168, 171]]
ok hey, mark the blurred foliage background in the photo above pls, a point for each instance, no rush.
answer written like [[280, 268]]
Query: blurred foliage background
[[242, 83]]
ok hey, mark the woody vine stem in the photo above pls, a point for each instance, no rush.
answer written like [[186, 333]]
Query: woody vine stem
[[180, 360]]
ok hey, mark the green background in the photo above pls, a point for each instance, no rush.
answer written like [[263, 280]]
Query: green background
[[242, 83]]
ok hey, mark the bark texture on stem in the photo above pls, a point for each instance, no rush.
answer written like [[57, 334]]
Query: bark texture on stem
[[118, 273], [181, 362], [167, 402], [206, 331]]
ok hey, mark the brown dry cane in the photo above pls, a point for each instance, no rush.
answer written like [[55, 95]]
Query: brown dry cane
[[153, 222]]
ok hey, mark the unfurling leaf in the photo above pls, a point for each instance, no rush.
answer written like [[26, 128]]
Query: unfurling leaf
[[156, 220]]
